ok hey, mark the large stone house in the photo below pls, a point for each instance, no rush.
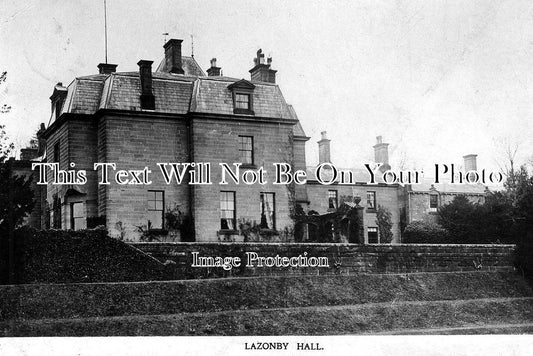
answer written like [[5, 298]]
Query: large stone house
[[173, 114], [176, 113]]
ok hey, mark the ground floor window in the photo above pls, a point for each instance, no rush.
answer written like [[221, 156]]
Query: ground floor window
[[78, 219], [373, 235], [332, 199], [156, 209], [433, 202], [268, 211], [55, 213], [227, 210]]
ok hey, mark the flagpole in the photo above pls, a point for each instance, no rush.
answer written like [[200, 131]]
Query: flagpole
[[105, 29]]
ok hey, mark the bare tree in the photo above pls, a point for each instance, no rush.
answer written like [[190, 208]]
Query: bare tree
[[4, 108], [507, 160]]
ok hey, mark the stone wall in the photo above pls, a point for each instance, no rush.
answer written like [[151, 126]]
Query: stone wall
[[342, 258]]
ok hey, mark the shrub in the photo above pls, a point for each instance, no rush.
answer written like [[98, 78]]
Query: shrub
[[524, 255], [384, 222], [58, 256], [421, 232]]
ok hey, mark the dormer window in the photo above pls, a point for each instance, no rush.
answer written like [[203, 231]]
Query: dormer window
[[57, 99], [242, 94], [242, 101]]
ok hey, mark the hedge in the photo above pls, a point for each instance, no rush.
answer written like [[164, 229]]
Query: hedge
[[422, 232], [58, 256]]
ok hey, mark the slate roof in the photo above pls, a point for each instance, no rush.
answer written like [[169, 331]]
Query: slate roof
[[298, 129], [83, 95], [212, 96], [121, 92], [174, 94], [447, 188], [189, 65]]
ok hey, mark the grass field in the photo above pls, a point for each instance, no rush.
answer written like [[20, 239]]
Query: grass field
[[462, 302]]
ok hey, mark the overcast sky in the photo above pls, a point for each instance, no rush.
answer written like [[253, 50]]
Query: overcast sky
[[437, 79]]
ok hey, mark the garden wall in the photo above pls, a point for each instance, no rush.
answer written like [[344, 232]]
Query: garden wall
[[342, 258]]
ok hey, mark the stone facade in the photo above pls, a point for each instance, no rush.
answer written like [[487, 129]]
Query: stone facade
[[423, 200], [176, 114], [173, 115]]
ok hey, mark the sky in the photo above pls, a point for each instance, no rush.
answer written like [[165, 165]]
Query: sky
[[437, 79]]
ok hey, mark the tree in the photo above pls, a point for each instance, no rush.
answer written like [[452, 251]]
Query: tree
[[522, 211], [384, 222], [461, 218], [4, 108], [16, 196], [16, 201], [504, 217]]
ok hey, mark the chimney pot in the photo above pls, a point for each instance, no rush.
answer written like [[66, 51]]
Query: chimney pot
[[261, 72], [107, 68], [214, 71], [173, 56]]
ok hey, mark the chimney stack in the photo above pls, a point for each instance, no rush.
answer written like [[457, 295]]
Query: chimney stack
[[41, 140], [106, 68], [214, 71], [261, 71], [470, 162], [173, 56], [145, 74], [381, 154], [323, 149]]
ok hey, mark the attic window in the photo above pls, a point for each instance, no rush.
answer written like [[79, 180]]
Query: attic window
[[242, 94], [242, 101]]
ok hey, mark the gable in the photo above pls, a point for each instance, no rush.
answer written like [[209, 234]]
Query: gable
[[242, 84]]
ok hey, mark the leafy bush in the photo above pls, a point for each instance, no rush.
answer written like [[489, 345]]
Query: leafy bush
[[384, 222], [462, 219], [491, 222], [177, 221], [524, 256], [421, 232]]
